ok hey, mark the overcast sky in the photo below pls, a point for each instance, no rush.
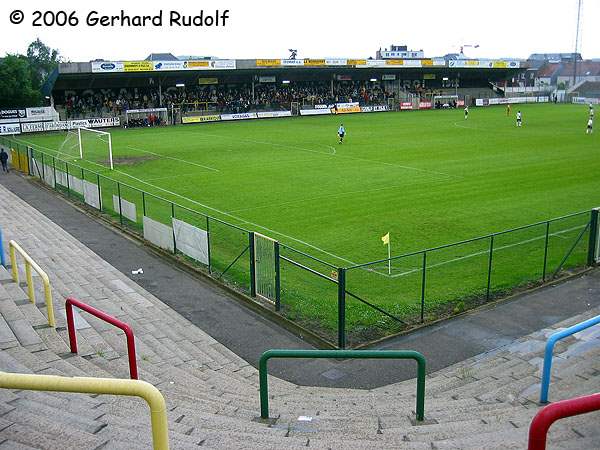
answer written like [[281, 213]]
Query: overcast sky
[[317, 28]]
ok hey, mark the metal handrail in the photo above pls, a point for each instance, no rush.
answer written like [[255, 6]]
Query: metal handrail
[[70, 302], [545, 385], [15, 248], [342, 354], [89, 385], [549, 414]]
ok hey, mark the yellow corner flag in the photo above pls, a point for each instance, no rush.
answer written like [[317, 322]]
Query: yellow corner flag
[[386, 239]]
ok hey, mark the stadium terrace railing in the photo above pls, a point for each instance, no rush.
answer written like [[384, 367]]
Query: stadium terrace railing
[[552, 340], [538, 430], [89, 385], [342, 354], [71, 302], [15, 248], [346, 306]]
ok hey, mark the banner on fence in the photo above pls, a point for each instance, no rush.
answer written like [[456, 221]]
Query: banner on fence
[[346, 108], [126, 208], [76, 184], [375, 108], [271, 114], [61, 125], [585, 100], [159, 234], [91, 194], [191, 240], [11, 114], [406, 105], [240, 116], [10, 128], [425, 105], [314, 112], [199, 119]]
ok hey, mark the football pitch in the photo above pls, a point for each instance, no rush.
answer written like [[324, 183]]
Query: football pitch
[[427, 177]]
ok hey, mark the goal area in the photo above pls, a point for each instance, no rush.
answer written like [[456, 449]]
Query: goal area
[[88, 144]]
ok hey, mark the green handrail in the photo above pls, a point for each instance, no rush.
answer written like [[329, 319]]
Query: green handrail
[[342, 354]]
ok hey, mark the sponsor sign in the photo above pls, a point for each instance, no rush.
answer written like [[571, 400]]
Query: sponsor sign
[[199, 119], [356, 62], [101, 122], [107, 66], [268, 62], [267, 79], [483, 64], [13, 114], [323, 106], [270, 114], [10, 128], [343, 77], [376, 108], [314, 62], [425, 105], [211, 80], [460, 103], [406, 105], [346, 108], [138, 66], [40, 112], [240, 116], [394, 62], [336, 62], [147, 110], [292, 62], [429, 76], [388, 76], [314, 112], [585, 100], [161, 66]]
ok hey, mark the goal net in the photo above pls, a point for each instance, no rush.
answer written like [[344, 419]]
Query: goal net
[[90, 145]]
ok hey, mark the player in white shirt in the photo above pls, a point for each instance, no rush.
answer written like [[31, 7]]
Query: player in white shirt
[[590, 124], [341, 133], [466, 112], [519, 118], [591, 112]]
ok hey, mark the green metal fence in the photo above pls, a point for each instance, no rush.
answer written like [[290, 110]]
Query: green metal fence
[[346, 306]]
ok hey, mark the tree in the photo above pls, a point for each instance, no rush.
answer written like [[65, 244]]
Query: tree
[[16, 88], [42, 61]]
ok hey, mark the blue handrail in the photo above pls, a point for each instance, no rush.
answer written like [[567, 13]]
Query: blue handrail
[[550, 347]]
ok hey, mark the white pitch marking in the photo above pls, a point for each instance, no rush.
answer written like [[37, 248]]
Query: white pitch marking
[[174, 159]]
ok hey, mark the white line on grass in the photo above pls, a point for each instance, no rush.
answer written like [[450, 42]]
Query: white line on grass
[[173, 158]]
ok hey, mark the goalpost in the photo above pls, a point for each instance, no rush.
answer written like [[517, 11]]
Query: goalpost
[[95, 142]]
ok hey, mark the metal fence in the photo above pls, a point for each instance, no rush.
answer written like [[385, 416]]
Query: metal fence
[[346, 306]]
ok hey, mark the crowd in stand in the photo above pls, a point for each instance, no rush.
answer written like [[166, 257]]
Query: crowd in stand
[[224, 98]]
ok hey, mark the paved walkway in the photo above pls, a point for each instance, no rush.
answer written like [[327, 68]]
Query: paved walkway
[[248, 334]]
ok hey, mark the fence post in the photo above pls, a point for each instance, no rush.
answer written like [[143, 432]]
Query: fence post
[[119, 195], [143, 203], [341, 308], [546, 251], [489, 279], [208, 243], [43, 169], [173, 228], [252, 266], [277, 278], [68, 182], [423, 287], [99, 193], [593, 241], [54, 171]]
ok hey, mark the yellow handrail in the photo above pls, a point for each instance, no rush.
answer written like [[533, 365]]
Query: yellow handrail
[[30, 263], [88, 385]]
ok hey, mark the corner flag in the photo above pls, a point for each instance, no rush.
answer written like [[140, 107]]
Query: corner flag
[[386, 241]]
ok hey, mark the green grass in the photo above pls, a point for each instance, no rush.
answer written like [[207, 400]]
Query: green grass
[[429, 178]]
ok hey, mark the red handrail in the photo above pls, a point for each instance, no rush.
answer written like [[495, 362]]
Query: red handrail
[[555, 411], [110, 319]]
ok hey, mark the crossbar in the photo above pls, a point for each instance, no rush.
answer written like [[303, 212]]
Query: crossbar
[[545, 385], [133, 372], [538, 430], [89, 385], [15, 248], [342, 354]]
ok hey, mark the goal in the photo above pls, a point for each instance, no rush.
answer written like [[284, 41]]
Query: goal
[[91, 145]]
